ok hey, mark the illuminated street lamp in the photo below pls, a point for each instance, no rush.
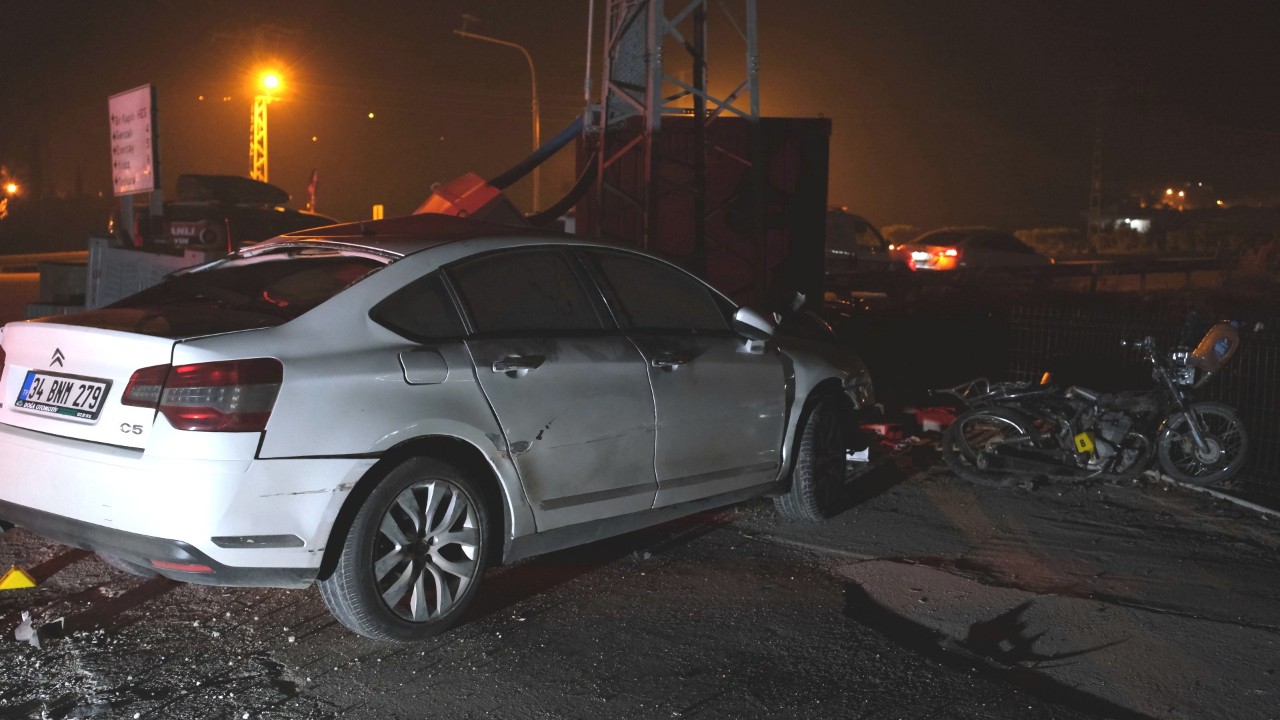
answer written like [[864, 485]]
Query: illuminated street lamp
[[10, 189], [533, 77], [270, 83]]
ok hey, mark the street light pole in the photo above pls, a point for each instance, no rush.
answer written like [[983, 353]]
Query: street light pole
[[533, 77], [258, 135], [258, 139]]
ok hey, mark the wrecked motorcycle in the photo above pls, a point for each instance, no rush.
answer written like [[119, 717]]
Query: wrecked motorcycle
[[1014, 429]]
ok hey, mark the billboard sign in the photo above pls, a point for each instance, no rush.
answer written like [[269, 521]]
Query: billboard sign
[[133, 135]]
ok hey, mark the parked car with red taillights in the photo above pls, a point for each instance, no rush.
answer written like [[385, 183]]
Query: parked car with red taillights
[[959, 248]]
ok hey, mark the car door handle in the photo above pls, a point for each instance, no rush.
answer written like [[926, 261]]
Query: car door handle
[[515, 363], [670, 360]]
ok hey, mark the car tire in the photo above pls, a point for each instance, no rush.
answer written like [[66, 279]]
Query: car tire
[[415, 555], [820, 464]]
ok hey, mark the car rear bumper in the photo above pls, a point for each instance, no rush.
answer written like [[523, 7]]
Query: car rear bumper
[[143, 549], [252, 522]]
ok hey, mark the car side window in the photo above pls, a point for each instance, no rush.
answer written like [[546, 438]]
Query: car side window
[[866, 238], [981, 242], [524, 290], [651, 295], [1014, 245], [421, 311]]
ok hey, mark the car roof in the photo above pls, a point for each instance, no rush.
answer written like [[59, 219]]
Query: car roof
[[409, 234], [953, 236]]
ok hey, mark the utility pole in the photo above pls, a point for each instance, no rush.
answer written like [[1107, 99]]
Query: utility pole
[[533, 109], [1095, 185]]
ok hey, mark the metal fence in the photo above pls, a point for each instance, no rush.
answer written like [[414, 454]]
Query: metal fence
[[1082, 344]]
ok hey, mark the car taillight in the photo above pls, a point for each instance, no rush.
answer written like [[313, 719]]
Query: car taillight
[[144, 387], [943, 258], [228, 396]]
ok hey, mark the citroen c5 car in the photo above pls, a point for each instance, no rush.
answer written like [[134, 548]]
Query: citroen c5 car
[[388, 408]]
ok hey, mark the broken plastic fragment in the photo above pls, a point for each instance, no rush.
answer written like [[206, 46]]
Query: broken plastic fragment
[[24, 631]]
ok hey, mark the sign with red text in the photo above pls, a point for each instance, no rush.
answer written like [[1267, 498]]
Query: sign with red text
[[133, 141]]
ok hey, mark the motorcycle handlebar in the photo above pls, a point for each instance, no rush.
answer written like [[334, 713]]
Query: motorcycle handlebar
[[1144, 343]]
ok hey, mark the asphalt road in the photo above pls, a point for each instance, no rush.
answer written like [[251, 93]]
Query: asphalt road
[[1145, 599], [695, 620], [927, 598]]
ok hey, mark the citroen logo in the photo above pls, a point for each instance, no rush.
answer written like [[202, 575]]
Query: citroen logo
[[57, 358]]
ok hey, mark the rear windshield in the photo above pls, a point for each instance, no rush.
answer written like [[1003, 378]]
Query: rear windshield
[[941, 238], [235, 296]]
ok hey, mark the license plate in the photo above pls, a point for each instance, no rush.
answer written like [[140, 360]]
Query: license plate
[[73, 397]]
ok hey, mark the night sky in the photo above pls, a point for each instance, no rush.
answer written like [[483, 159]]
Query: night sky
[[943, 112]]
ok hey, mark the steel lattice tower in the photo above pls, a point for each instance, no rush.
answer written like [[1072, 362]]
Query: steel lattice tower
[[655, 66], [258, 139]]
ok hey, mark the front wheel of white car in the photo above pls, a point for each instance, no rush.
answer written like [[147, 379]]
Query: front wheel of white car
[[818, 478], [415, 555]]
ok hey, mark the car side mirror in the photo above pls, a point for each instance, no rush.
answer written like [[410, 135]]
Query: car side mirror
[[752, 325]]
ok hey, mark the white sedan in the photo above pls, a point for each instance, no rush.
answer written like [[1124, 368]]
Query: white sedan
[[387, 408]]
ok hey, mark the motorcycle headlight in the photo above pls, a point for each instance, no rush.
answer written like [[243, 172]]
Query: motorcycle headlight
[[1180, 368]]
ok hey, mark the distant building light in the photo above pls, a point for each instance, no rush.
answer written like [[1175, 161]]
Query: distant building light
[[1219, 203], [1182, 193], [1168, 191]]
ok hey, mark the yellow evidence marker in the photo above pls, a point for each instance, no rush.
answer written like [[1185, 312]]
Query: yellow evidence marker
[[16, 579]]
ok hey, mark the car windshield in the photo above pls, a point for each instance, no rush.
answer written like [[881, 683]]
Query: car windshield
[[240, 294]]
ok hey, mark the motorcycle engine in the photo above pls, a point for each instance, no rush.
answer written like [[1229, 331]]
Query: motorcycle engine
[[1112, 427]]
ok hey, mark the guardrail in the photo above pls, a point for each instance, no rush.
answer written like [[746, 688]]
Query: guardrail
[[1132, 274], [1138, 274]]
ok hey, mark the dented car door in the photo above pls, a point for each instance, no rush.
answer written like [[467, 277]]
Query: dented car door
[[720, 399], [570, 391]]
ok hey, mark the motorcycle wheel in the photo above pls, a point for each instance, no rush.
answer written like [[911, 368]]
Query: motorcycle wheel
[[1228, 445], [967, 445]]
